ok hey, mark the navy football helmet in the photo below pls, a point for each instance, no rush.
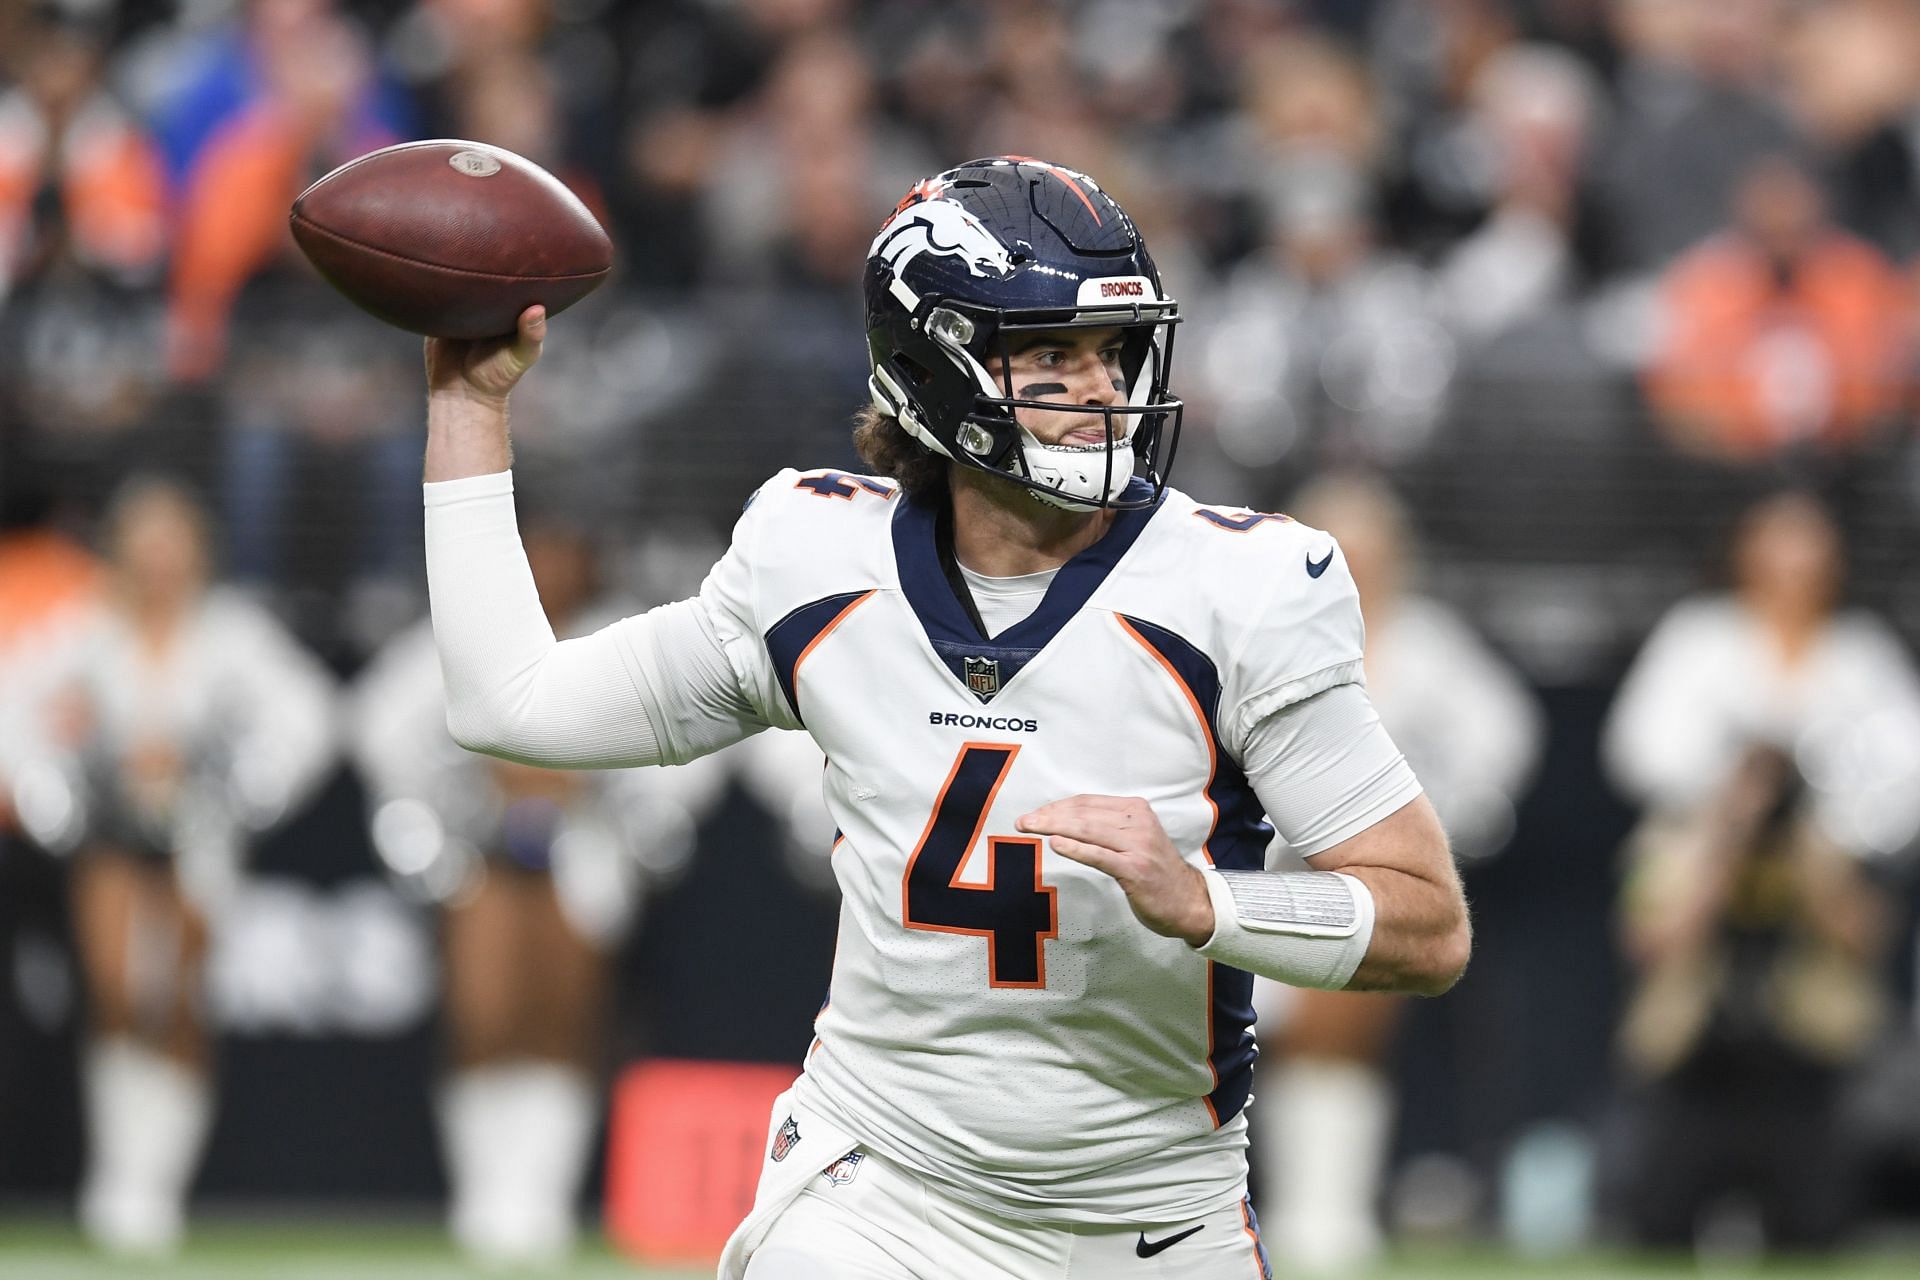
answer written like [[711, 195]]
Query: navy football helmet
[[976, 257]]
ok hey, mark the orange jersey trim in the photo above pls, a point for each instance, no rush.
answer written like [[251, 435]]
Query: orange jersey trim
[[814, 643], [1206, 792], [1200, 716]]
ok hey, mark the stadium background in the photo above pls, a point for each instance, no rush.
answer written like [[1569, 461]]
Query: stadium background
[[1503, 189]]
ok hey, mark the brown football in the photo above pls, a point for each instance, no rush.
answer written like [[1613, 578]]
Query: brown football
[[451, 239]]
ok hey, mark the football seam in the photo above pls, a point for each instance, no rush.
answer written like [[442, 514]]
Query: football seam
[[440, 266]]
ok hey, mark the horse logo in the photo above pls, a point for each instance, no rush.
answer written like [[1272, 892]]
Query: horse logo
[[944, 229]]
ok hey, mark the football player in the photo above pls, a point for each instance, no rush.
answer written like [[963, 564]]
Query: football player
[[1061, 703]]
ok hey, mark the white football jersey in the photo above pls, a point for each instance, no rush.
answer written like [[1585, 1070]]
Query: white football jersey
[[998, 1018]]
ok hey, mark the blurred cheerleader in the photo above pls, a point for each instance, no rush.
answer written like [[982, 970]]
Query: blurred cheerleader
[[153, 738]]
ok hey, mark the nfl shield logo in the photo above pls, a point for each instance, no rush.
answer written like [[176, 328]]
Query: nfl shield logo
[[785, 1140], [983, 676], [841, 1171]]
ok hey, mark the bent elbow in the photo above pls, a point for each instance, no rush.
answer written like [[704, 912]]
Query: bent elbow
[[475, 729], [1448, 961]]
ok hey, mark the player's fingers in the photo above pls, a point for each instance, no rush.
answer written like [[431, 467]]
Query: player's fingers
[[447, 360], [1114, 822], [1087, 829], [1063, 819], [1092, 855], [530, 337], [1050, 815]]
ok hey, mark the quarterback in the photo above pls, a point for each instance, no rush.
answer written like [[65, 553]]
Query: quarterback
[[1065, 708]]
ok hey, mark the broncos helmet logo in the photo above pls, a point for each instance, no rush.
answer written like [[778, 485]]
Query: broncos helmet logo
[[944, 229]]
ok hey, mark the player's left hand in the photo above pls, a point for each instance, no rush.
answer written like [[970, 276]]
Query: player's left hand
[[1121, 836]]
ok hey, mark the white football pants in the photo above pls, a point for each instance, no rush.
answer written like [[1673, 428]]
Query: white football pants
[[866, 1218]]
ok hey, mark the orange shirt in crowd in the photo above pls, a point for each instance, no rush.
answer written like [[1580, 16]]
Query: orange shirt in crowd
[[112, 186], [233, 223], [1752, 362]]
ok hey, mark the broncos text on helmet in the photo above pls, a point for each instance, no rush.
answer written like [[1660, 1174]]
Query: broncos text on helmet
[[973, 259]]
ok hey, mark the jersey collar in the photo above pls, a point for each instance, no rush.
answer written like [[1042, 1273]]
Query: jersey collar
[[953, 635]]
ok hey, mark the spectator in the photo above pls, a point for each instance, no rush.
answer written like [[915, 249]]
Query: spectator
[[315, 423], [1307, 95], [1757, 944], [698, 73], [83, 234], [1329, 347], [207, 77], [317, 469], [1781, 333], [1470, 727], [311, 115], [511, 99], [1776, 662], [1533, 108], [790, 222], [79, 182], [173, 724], [1694, 115], [820, 86], [1852, 80], [1432, 62], [527, 75]]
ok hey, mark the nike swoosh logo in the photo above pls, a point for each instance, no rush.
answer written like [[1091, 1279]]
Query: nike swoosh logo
[[1148, 1248], [1317, 567]]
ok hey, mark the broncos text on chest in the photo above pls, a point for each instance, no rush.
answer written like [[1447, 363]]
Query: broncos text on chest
[[1000, 724]]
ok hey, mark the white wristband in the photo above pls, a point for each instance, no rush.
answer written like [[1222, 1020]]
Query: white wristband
[[1303, 928]]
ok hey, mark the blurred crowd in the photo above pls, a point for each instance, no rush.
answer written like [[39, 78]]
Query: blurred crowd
[[1547, 261], [1587, 300]]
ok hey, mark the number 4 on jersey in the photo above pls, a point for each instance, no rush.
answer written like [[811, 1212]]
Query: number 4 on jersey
[[1013, 910]]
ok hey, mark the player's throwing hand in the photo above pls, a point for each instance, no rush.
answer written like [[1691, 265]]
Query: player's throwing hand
[[1121, 836], [486, 368]]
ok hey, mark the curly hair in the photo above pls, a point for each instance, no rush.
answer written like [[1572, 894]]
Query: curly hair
[[884, 445]]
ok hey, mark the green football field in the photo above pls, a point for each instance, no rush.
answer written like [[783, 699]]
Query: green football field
[[39, 1250]]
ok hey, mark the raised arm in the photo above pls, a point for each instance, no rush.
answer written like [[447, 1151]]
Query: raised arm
[[467, 388], [658, 688]]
